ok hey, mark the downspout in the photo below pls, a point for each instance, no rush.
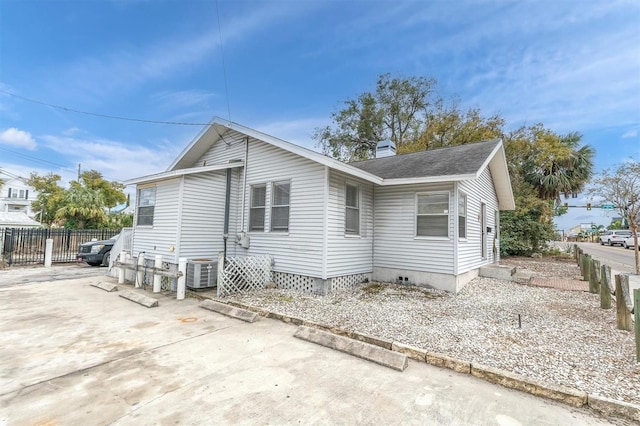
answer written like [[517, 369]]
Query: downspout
[[227, 202]]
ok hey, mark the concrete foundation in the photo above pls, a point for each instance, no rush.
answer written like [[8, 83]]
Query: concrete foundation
[[447, 282]]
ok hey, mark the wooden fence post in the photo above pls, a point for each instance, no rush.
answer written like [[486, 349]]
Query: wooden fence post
[[586, 269], [636, 313], [594, 281], [623, 315], [605, 287]]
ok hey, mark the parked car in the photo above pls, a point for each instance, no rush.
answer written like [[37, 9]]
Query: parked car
[[96, 253], [629, 242], [614, 237]]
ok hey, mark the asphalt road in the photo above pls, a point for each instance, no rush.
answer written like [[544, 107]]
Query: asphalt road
[[620, 259]]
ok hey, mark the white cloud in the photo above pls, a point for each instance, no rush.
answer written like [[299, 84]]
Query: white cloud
[[126, 67], [297, 131], [71, 131], [629, 134], [116, 160], [18, 138], [183, 98]]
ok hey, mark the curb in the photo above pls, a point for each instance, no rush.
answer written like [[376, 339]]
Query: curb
[[105, 286], [221, 308], [367, 351], [146, 301], [565, 395]]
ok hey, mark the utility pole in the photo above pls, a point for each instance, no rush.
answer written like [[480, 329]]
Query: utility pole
[[79, 165]]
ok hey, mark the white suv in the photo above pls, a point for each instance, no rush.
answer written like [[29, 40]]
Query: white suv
[[629, 242], [615, 236]]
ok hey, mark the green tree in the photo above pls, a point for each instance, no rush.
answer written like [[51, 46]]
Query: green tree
[[553, 164], [395, 111], [621, 187], [447, 125], [50, 196], [112, 193], [82, 208]]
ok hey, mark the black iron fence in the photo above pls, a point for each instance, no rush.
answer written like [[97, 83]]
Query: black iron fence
[[22, 246]]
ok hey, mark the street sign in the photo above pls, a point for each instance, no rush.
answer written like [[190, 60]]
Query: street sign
[[607, 206]]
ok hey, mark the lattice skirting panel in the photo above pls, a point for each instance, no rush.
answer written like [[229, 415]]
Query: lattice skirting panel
[[347, 282], [294, 282], [167, 283], [242, 274]]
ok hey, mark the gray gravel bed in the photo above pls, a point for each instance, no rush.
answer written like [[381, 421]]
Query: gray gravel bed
[[565, 338]]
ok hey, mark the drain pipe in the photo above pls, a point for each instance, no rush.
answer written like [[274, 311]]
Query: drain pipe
[[227, 201]]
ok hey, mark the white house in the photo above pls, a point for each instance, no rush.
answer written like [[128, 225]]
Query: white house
[[16, 195], [429, 218]]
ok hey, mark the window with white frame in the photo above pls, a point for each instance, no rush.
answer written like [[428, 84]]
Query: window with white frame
[[146, 205], [462, 215], [432, 214], [257, 209], [352, 210], [280, 197]]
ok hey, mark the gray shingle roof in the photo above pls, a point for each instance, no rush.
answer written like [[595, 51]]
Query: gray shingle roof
[[457, 160]]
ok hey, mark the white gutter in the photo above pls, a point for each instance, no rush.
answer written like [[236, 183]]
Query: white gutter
[[182, 172]]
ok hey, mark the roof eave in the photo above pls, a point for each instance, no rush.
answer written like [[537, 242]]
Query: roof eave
[[430, 179], [181, 172], [219, 123], [497, 163]]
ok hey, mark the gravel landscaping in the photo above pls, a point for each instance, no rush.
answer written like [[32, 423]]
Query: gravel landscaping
[[557, 336]]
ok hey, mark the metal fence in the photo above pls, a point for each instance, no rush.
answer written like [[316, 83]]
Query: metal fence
[[23, 246]]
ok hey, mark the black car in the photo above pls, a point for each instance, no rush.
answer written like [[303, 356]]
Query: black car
[[96, 253]]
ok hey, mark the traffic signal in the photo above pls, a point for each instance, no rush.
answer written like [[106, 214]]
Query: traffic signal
[[588, 206]]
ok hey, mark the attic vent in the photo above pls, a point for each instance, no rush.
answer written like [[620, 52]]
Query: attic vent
[[385, 149]]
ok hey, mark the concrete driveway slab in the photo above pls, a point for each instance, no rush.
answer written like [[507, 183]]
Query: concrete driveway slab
[[73, 354]]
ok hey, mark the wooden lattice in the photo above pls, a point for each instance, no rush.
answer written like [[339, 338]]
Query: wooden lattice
[[241, 274]]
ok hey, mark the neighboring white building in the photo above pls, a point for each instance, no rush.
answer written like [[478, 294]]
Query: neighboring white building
[[16, 195], [427, 218]]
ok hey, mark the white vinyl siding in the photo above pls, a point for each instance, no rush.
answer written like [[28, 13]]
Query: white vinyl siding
[[298, 251], [162, 236], [230, 148], [396, 245], [480, 190], [432, 214], [348, 254], [203, 205]]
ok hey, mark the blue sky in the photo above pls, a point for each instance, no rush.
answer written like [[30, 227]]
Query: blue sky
[[572, 65]]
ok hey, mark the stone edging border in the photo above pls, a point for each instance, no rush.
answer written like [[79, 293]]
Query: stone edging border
[[566, 395]]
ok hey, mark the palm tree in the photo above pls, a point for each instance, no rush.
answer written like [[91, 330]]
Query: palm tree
[[82, 206], [558, 165]]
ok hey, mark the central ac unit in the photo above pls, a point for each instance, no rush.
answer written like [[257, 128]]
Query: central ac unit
[[202, 273]]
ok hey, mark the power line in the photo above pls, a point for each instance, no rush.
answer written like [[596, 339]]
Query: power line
[[95, 114], [29, 157], [224, 67]]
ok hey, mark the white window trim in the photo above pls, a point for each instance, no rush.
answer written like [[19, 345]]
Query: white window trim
[[415, 217], [155, 198], [271, 206], [266, 195], [359, 194], [466, 215]]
